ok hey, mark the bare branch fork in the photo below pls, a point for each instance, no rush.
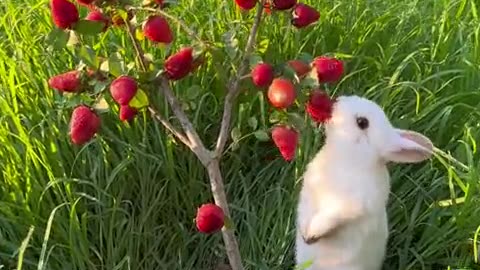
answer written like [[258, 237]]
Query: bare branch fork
[[190, 137]]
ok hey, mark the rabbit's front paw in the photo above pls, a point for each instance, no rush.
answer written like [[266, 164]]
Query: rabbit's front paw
[[310, 239], [319, 229]]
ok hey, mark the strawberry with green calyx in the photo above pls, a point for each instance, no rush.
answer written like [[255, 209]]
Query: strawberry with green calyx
[[157, 29], [300, 67], [98, 16], [327, 69], [281, 93], [180, 64], [84, 124], [210, 218], [127, 113], [304, 15], [285, 139], [319, 106], [64, 13], [123, 89], [246, 4], [262, 75], [283, 4], [70, 81]]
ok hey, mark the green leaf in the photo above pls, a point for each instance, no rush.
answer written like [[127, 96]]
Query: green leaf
[[122, 13], [231, 44], [72, 101], [236, 134], [99, 87], [131, 66], [262, 135], [309, 82], [193, 105], [254, 59], [139, 34], [276, 116], [116, 66], [73, 39], [88, 28], [140, 100], [101, 105], [289, 73], [87, 54], [296, 120], [304, 265], [193, 92], [305, 57], [302, 97], [228, 223], [104, 66], [253, 122], [263, 45], [57, 38]]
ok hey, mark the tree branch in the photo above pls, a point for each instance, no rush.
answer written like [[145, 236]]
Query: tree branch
[[143, 63], [233, 87], [196, 143], [137, 47], [169, 126]]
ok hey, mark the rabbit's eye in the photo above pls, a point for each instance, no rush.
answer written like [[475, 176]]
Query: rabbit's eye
[[362, 122]]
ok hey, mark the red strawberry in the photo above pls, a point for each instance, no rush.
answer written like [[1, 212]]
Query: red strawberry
[[301, 68], [98, 16], [127, 113], [179, 64], [84, 123], [64, 13], [304, 15], [319, 106], [161, 3], [262, 75], [327, 69], [156, 29], [281, 93], [286, 140], [68, 82], [85, 2], [210, 218], [267, 8], [284, 4], [123, 89], [246, 4]]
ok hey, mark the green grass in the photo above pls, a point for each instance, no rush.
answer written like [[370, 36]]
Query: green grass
[[127, 199]]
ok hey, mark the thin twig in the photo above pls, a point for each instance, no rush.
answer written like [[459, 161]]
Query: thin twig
[[196, 144], [138, 48], [140, 54], [169, 126], [233, 88], [182, 24]]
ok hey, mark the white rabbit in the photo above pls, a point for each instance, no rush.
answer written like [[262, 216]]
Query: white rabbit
[[341, 215]]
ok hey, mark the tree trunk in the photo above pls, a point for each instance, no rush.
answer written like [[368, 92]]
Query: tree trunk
[[218, 191]]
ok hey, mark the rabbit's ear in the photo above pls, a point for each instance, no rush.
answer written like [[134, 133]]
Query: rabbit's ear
[[408, 146]]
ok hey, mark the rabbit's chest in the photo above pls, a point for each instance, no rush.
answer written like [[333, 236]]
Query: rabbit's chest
[[370, 191]]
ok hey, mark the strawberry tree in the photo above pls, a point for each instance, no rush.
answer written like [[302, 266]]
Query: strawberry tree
[[103, 83]]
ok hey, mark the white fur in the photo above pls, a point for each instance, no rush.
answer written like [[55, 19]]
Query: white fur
[[347, 184]]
